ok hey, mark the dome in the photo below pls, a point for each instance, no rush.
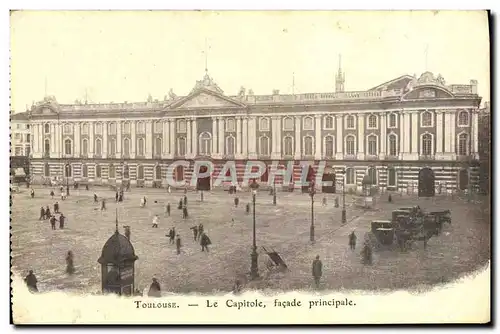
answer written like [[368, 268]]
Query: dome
[[117, 250]]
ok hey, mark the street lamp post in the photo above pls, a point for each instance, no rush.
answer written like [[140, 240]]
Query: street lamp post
[[344, 217], [67, 179], [312, 192], [254, 268], [274, 191]]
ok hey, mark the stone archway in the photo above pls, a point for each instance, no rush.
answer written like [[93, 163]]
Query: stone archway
[[463, 179], [426, 183]]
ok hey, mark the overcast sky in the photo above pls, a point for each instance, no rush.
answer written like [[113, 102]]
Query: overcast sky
[[124, 56]]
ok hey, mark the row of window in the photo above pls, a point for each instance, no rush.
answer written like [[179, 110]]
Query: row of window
[[426, 120], [22, 137], [205, 145]]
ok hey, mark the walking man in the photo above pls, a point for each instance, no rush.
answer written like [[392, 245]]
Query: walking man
[[352, 241], [178, 244], [317, 271]]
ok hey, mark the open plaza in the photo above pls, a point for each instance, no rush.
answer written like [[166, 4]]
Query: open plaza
[[464, 246]]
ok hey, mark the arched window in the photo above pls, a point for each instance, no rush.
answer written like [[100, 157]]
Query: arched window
[[67, 129], [179, 173], [372, 122], [98, 171], [141, 128], [229, 145], [264, 124], [85, 128], [47, 146], [328, 122], [140, 172], [181, 146], [158, 146], [427, 144], [463, 140], [463, 118], [391, 177], [181, 126], [308, 145], [288, 145], [68, 170], [350, 122], [126, 172], [111, 173], [230, 125], [372, 145], [98, 147], [350, 145], [264, 145], [126, 147], [350, 176], [98, 128], [393, 145], [85, 147], [112, 146], [157, 172], [68, 146], [112, 128], [426, 119], [46, 170], [392, 120], [329, 146], [140, 146], [126, 127], [308, 123], [288, 124], [158, 127], [205, 143], [47, 128], [372, 175]]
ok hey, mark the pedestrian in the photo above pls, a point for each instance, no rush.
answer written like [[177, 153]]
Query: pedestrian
[[31, 282], [389, 199], [95, 198], [236, 201], [62, 219], [87, 187], [366, 254], [48, 214], [56, 207], [156, 220], [352, 240], [195, 232], [171, 235], [169, 189], [52, 194], [180, 204], [63, 197], [337, 202], [70, 267], [32, 193], [116, 196], [324, 201], [120, 197], [205, 242], [237, 287], [167, 210], [247, 208], [317, 270], [200, 230], [53, 222], [154, 289], [185, 200], [142, 204], [127, 231], [42, 213], [145, 201], [103, 205], [185, 212], [178, 244]]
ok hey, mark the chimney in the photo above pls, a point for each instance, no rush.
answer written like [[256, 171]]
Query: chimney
[[473, 84]]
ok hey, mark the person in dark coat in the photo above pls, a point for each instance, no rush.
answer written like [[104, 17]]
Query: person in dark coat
[[171, 235], [120, 197], [352, 240], [204, 242], [116, 197], [200, 230], [185, 212], [195, 232], [167, 209], [317, 270], [56, 207], [95, 198], [87, 187], [103, 204], [52, 194], [48, 214], [178, 244], [32, 193], [62, 219], [154, 289], [236, 201], [70, 267], [31, 281], [180, 204], [185, 200], [247, 208], [53, 222], [389, 199], [42, 213], [145, 201]]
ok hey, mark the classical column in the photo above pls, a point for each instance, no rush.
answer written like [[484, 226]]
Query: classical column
[[215, 147], [104, 140], [439, 132], [91, 140], [339, 155], [133, 138], [414, 135], [406, 132], [361, 136], [166, 139], [172, 137], [149, 139], [244, 137], [318, 138], [383, 135], [298, 142], [278, 136], [475, 132], [52, 140], [59, 140], [78, 140], [189, 138], [195, 137], [222, 138], [452, 126], [35, 138], [252, 137], [119, 139], [273, 137], [238, 137]]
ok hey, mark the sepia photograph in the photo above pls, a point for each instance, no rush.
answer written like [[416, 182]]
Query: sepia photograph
[[249, 161]]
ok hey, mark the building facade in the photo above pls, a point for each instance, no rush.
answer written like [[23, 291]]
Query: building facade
[[401, 132], [20, 135], [485, 148]]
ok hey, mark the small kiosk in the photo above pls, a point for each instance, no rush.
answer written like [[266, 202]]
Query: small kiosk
[[117, 265]]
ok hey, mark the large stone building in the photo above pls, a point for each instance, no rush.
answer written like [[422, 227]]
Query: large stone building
[[485, 148], [20, 135], [402, 131]]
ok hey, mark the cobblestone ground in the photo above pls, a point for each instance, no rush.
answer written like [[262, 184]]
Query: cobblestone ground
[[463, 247]]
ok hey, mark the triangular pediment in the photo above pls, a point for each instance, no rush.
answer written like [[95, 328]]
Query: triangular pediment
[[397, 83], [206, 99]]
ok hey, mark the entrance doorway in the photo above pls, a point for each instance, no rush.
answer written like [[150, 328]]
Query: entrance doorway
[[426, 181]]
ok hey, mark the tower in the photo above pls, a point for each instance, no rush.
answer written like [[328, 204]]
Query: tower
[[339, 78]]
